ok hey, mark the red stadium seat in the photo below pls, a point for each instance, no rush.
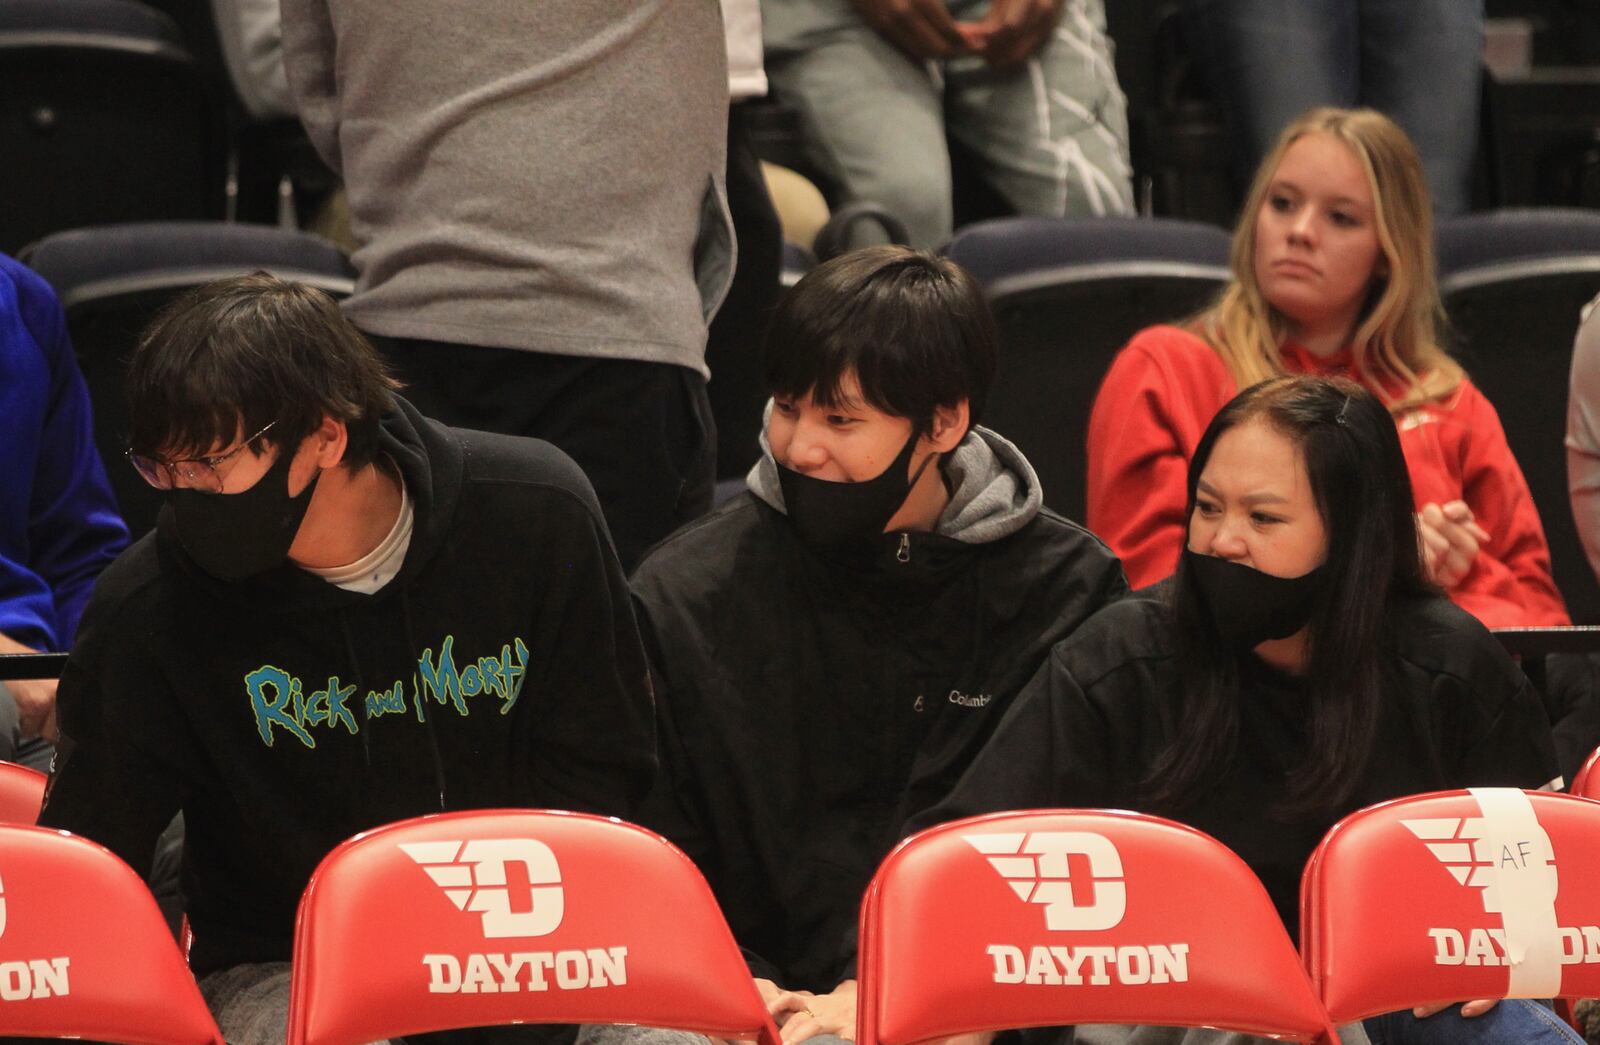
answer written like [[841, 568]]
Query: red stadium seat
[[513, 916], [1486, 893], [1052, 918], [1587, 781], [84, 951], [21, 793]]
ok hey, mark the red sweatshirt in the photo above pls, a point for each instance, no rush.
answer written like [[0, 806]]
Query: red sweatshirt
[[1167, 384]]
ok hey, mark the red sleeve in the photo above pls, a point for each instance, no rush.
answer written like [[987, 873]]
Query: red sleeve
[[1510, 584], [1153, 406]]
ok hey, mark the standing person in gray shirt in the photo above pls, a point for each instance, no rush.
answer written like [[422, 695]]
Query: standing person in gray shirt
[[537, 195]]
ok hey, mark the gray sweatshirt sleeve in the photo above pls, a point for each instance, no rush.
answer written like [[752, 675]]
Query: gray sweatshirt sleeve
[[1583, 434], [308, 57], [252, 44]]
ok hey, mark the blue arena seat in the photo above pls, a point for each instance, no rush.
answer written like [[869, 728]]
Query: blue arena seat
[[104, 117], [1068, 293], [1513, 282]]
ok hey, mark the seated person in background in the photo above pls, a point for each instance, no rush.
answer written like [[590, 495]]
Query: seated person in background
[[1298, 667], [1333, 275], [59, 524], [347, 615], [832, 647], [1028, 86], [1583, 434]]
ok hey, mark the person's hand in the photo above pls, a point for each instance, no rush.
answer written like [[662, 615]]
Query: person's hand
[[36, 708], [1469, 1009], [1012, 31], [921, 28], [1450, 541], [804, 1015], [35, 698]]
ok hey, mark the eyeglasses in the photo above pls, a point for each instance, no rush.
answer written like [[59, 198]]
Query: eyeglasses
[[198, 473]]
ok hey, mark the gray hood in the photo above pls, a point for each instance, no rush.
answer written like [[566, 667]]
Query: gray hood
[[996, 490]]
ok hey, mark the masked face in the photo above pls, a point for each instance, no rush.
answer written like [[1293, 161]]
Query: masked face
[[846, 470], [1256, 538], [842, 514], [237, 535]]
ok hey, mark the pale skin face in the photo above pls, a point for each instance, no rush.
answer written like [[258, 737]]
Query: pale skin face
[[1254, 507], [350, 511], [1317, 250], [852, 442]]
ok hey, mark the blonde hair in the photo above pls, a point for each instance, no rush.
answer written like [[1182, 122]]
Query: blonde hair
[[1396, 339]]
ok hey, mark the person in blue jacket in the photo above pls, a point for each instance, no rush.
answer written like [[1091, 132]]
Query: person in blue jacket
[[59, 524]]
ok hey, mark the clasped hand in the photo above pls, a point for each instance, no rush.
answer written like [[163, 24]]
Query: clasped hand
[[1451, 539], [1009, 34]]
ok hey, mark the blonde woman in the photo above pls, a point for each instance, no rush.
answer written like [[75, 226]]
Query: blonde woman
[[1333, 275]]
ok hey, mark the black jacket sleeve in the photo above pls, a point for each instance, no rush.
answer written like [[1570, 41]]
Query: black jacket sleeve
[[1502, 736], [111, 783], [593, 729], [1572, 699], [675, 806]]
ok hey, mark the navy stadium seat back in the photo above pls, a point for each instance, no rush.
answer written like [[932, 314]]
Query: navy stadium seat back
[[1513, 284], [104, 118], [1068, 294]]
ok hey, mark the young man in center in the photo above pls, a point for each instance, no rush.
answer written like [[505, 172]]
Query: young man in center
[[833, 647]]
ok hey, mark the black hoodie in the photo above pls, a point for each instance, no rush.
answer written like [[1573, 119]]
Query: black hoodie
[[501, 667]]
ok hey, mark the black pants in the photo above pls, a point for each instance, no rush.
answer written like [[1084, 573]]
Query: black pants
[[642, 432]]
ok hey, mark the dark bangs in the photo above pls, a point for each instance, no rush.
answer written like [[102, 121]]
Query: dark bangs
[[911, 326], [231, 357]]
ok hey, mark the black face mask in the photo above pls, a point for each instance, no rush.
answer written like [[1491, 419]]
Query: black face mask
[[237, 535], [836, 516], [1248, 606]]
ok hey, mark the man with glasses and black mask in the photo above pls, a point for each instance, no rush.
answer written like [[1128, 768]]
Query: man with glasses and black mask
[[832, 647], [347, 615]]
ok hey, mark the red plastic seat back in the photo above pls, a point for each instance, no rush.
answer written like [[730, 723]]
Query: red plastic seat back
[[84, 951], [1487, 893], [1063, 917], [21, 793], [484, 918], [1587, 782]]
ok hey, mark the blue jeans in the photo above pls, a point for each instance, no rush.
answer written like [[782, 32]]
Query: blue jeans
[[1515, 1021], [1418, 61]]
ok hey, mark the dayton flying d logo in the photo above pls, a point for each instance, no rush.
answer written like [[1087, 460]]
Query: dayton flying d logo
[[515, 885], [1038, 867], [475, 877], [1507, 856], [1077, 877], [36, 978], [1471, 858]]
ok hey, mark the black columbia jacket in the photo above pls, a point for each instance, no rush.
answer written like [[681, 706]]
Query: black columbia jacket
[[807, 707]]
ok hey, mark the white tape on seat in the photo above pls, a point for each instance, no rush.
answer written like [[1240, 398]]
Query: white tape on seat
[[1521, 888]]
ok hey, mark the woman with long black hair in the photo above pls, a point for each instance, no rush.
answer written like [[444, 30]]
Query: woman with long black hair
[[1296, 668]]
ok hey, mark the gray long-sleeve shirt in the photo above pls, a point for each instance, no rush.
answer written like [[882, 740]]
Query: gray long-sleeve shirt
[[545, 177]]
